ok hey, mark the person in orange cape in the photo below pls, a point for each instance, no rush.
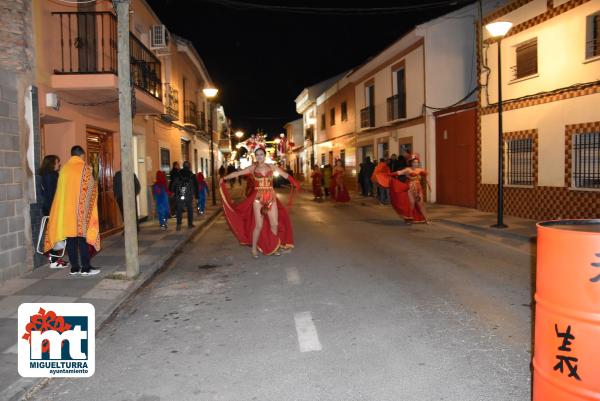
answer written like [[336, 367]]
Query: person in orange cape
[[74, 214], [408, 198], [260, 220], [381, 178], [317, 182], [339, 193]]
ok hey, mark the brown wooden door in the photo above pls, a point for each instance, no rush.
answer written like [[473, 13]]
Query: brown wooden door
[[456, 169], [100, 157]]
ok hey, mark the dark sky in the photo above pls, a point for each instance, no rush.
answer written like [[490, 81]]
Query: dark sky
[[261, 59]]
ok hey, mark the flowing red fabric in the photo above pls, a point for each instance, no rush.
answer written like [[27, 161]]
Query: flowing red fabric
[[317, 184], [342, 194], [401, 203], [381, 175], [240, 218]]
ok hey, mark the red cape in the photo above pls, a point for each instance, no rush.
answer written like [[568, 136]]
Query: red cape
[[240, 218], [401, 203]]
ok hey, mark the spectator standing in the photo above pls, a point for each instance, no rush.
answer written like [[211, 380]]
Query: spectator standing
[[49, 173], [364, 177], [185, 189], [172, 175], [74, 213], [202, 193], [118, 192], [327, 172], [161, 194]]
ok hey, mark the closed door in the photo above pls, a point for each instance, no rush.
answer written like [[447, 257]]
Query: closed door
[[100, 157], [456, 138]]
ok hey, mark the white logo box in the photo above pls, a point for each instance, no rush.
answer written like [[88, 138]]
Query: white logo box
[[77, 363]]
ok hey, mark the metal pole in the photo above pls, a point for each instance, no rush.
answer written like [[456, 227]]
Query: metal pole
[[500, 213], [212, 155], [126, 136]]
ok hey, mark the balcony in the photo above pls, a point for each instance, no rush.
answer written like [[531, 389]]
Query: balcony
[[367, 117], [171, 103], [202, 121], [86, 62], [190, 113], [396, 107]]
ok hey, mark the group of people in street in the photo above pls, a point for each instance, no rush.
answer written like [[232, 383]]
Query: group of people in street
[[70, 200], [330, 181]]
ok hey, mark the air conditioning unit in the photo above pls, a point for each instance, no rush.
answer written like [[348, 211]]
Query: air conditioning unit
[[159, 37]]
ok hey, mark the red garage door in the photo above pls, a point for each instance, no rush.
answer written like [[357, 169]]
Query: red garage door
[[456, 158]]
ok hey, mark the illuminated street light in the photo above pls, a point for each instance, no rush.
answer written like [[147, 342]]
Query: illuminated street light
[[211, 93], [239, 134], [498, 30]]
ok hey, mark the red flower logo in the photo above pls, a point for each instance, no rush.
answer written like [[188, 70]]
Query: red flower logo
[[43, 321]]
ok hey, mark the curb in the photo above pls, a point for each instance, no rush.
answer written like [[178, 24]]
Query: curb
[[524, 241], [138, 284]]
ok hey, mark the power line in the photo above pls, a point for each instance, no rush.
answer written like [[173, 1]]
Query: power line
[[347, 11]]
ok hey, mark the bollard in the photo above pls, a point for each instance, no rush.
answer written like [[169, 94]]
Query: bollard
[[566, 362]]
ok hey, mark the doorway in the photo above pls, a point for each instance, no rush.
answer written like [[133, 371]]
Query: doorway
[[100, 157], [456, 174]]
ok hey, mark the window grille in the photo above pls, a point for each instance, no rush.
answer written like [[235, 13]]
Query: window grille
[[519, 157], [586, 160]]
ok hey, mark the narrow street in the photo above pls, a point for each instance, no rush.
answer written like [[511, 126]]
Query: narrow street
[[364, 308]]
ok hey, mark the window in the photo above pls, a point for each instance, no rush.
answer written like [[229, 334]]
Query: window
[[323, 121], [322, 159], [165, 160], [344, 111], [519, 162], [592, 45], [202, 165], [586, 160], [343, 156], [196, 168], [527, 60], [332, 116], [185, 150], [397, 103]]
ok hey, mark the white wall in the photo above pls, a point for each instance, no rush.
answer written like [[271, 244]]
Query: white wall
[[550, 120]]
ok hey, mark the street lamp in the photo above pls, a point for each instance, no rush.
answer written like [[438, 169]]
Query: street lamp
[[239, 134], [211, 93], [498, 30]]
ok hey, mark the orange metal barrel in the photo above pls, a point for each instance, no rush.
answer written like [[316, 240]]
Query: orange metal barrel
[[566, 360]]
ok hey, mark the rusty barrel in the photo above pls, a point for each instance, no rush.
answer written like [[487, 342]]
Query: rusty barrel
[[566, 361]]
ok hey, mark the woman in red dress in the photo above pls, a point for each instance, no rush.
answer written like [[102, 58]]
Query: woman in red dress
[[317, 182], [408, 197], [339, 193], [260, 220]]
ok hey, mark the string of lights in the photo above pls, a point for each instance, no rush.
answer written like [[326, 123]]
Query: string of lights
[[348, 11]]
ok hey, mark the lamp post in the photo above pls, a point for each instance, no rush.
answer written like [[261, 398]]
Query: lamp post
[[210, 93], [498, 30]]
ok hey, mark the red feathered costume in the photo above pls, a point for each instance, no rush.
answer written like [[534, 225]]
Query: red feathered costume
[[241, 216], [401, 203]]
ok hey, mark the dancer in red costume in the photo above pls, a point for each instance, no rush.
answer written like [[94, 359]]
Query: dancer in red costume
[[260, 220], [339, 193], [317, 182], [408, 198]]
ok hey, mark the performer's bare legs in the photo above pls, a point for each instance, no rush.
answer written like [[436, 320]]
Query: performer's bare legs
[[258, 222]]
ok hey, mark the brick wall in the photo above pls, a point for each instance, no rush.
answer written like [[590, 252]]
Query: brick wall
[[16, 75]]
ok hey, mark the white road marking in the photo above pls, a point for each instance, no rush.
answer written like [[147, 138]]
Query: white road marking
[[293, 277], [308, 338]]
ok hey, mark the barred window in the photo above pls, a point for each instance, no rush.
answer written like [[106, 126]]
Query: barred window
[[586, 160], [519, 157]]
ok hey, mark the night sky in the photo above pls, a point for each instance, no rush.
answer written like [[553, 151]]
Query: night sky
[[261, 59]]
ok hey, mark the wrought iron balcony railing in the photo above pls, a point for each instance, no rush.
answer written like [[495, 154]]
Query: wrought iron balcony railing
[[190, 113], [396, 107], [88, 45], [171, 102], [367, 117]]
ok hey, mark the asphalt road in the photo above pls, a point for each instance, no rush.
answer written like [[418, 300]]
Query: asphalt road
[[364, 308]]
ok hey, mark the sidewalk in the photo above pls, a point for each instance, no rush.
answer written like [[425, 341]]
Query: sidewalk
[[106, 291], [520, 233]]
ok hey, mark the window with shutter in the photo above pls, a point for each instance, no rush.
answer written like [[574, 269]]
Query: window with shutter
[[527, 60]]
